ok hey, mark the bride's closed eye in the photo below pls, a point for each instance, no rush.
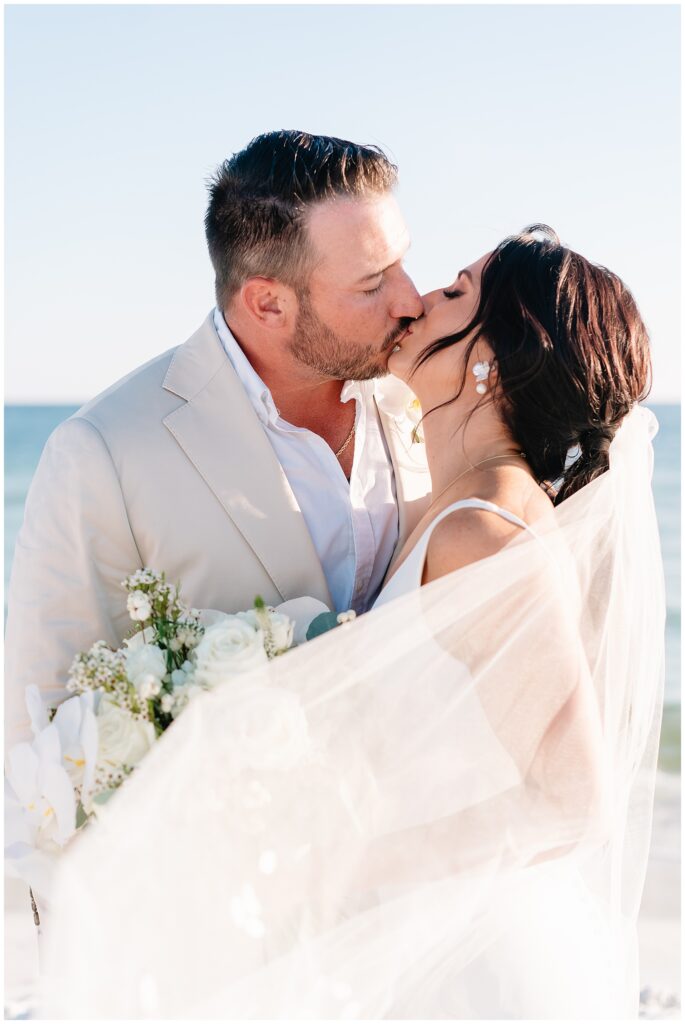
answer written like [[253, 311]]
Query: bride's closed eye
[[453, 293]]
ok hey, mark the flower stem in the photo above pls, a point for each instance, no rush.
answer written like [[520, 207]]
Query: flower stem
[[34, 908]]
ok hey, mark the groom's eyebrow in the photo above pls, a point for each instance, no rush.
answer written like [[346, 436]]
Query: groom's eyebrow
[[375, 273]]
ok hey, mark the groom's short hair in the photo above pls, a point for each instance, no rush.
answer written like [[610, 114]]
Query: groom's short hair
[[255, 221]]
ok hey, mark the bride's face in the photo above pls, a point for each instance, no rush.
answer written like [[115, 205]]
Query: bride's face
[[447, 310]]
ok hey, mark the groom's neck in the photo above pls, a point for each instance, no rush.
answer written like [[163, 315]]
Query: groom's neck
[[302, 396]]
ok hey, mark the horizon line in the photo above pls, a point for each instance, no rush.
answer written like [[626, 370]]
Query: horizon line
[[78, 402]]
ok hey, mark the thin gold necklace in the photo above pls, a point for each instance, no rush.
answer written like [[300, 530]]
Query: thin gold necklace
[[509, 455], [347, 440]]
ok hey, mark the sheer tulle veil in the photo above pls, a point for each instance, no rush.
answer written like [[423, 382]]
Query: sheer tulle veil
[[442, 809]]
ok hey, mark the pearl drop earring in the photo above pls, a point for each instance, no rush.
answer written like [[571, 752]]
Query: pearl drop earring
[[481, 372]]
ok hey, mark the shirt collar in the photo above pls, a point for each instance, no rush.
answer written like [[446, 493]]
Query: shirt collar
[[361, 390], [256, 389]]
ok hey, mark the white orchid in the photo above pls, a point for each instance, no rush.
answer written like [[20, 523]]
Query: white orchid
[[43, 783], [396, 399], [40, 807], [414, 414], [84, 750], [22, 858], [78, 732]]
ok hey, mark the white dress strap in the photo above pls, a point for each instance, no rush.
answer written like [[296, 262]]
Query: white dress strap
[[410, 573], [487, 506]]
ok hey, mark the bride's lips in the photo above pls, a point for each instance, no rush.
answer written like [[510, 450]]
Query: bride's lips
[[397, 344]]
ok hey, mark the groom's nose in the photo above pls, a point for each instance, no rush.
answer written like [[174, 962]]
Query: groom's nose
[[407, 303]]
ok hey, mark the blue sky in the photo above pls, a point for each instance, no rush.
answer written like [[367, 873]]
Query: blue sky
[[496, 115]]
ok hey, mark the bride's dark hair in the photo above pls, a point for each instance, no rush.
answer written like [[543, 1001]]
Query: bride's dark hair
[[571, 349]]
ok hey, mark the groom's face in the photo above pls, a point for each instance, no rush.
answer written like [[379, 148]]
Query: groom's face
[[359, 300]]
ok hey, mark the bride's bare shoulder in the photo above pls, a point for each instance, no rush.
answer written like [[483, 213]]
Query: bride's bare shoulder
[[464, 537], [470, 534]]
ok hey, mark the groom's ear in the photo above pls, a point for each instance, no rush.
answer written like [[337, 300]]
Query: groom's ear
[[268, 302]]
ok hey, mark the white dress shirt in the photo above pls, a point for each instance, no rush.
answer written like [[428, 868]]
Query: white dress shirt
[[353, 525]]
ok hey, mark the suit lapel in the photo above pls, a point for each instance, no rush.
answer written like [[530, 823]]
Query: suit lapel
[[220, 433]]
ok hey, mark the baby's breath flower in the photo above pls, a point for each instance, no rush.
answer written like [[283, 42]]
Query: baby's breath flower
[[98, 668], [148, 686], [192, 636], [141, 578], [139, 606]]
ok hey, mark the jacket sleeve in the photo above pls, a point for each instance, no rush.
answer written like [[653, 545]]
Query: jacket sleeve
[[73, 550]]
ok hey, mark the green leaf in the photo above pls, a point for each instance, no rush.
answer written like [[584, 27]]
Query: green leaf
[[322, 624], [103, 797], [81, 816]]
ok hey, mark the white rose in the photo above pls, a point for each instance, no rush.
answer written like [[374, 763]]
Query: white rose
[[210, 617], [267, 729], [282, 627], [139, 606], [226, 649], [122, 739], [145, 661]]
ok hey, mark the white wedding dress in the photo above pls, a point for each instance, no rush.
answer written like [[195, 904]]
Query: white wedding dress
[[556, 956], [440, 810]]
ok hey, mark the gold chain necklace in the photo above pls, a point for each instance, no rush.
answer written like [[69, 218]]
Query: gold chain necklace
[[509, 455], [347, 440]]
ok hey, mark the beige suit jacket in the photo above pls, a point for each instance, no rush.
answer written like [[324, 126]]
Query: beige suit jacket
[[170, 469]]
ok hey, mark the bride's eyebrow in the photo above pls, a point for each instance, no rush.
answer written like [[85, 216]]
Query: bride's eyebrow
[[468, 274]]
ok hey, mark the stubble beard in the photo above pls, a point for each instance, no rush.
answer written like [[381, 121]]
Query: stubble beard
[[315, 345]]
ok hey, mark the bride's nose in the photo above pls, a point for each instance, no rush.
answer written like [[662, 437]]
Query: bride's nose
[[430, 299]]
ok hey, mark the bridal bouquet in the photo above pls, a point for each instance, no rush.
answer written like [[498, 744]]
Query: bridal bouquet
[[122, 701]]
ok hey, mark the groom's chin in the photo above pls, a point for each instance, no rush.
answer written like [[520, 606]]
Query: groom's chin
[[373, 371]]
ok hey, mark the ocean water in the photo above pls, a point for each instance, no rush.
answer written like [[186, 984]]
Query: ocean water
[[28, 427]]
